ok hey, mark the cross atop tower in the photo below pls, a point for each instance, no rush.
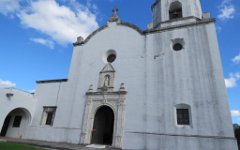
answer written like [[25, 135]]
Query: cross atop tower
[[115, 17], [115, 11]]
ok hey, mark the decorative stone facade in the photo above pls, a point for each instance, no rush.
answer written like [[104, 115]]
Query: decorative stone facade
[[114, 100]]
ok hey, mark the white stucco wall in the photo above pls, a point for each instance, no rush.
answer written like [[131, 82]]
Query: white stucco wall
[[192, 76], [21, 100], [51, 95], [88, 61], [157, 79]]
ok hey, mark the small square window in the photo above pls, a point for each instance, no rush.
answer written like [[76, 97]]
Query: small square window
[[49, 120], [183, 117], [48, 115], [17, 121]]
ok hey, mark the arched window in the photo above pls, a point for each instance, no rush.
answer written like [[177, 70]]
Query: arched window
[[183, 114], [175, 10]]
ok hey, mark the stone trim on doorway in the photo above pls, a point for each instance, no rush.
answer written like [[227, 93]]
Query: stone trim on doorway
[[114, 100]]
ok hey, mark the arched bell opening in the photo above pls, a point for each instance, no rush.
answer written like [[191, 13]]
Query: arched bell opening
[[175, 10]]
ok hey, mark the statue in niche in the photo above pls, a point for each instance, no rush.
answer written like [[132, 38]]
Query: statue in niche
[[106, 82]]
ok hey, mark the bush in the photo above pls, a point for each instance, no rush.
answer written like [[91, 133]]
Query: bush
[[237, 134]]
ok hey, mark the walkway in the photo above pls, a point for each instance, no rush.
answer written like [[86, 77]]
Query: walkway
[[56, 146]]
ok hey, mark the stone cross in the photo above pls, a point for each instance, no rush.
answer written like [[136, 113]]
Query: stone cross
[[114, 18], [115, 11]]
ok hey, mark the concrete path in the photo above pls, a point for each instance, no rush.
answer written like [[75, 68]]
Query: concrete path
[[56, 146]]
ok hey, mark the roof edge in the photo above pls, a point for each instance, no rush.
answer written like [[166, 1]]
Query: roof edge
[[144, 32], [127, 24], [51, 81], [17, 89], [199, 22]]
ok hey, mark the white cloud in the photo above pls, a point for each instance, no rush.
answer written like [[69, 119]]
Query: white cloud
[[236, 59], [235, 113], [92, 6], [231, 82], [227, 10], [32, 91], [9, 6], [61, 23], [44, 42], [6, 84]]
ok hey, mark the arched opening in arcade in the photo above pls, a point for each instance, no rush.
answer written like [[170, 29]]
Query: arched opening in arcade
[[15, 123]]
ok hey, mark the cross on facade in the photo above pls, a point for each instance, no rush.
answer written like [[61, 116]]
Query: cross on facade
[[115, 11]]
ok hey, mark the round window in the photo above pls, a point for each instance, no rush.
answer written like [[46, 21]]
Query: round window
[[177, 47], [111, 58]]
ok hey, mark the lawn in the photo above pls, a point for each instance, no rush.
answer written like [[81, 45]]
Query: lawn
[[14, 146]]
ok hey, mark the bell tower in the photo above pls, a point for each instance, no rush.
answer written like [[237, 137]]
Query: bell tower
[[172, 10]]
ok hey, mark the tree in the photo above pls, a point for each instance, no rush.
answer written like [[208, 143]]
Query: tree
[[237, 134]]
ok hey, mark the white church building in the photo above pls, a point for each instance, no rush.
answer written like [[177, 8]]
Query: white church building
[[159, 89]]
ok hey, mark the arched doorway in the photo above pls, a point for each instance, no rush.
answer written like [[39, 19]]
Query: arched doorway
[[15, 123], [102, 132], [5, 126]]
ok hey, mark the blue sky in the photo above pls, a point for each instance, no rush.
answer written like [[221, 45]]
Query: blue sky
[[36, 37]]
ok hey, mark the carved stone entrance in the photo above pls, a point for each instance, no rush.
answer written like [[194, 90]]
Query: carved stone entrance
[[104, 114], [102, 132], [115, 101]]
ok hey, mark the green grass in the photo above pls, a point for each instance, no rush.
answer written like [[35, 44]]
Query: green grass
[[14, 146]]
